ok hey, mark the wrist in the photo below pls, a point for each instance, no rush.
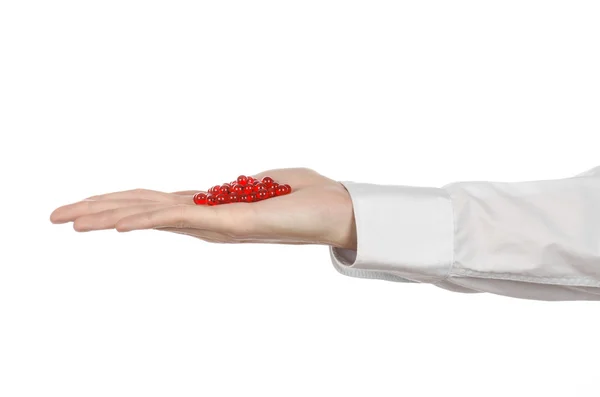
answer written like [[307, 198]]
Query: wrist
[[343, 233]]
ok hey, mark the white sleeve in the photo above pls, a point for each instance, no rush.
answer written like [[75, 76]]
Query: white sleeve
[[533, 240]]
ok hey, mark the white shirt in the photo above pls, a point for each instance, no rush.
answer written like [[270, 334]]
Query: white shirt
[[532, 240]]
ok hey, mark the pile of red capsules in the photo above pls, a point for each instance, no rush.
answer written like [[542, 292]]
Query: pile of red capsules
[[244, 189]]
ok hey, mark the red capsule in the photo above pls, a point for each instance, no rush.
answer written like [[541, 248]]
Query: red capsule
[[244, 189], [258, 186], [281, 190], [267, 180], [211, 200], [222, 198], [248, 189], [200, 198], [242, 180], [262, 194]]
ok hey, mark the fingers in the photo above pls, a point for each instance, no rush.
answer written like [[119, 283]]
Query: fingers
[[180, 216], [143, 194], [69, 213], [108, 219]]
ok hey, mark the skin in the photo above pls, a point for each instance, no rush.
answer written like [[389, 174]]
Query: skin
[[318, 211]]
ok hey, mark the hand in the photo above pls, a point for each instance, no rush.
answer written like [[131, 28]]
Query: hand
[[318, 211]]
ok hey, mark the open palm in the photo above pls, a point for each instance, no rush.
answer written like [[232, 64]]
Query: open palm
[[318, 211]]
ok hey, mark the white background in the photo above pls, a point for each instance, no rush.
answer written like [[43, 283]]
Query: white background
[[105, 96]]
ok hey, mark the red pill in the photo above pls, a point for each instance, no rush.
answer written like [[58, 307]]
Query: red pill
[[242, 180], [262, 194], [222, 198], [280, 190], [245, 189], [259, 186], [200, 198], [211, 200], [267, 180]]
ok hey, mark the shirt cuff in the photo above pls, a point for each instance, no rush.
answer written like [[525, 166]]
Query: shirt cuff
[[403, 234]]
